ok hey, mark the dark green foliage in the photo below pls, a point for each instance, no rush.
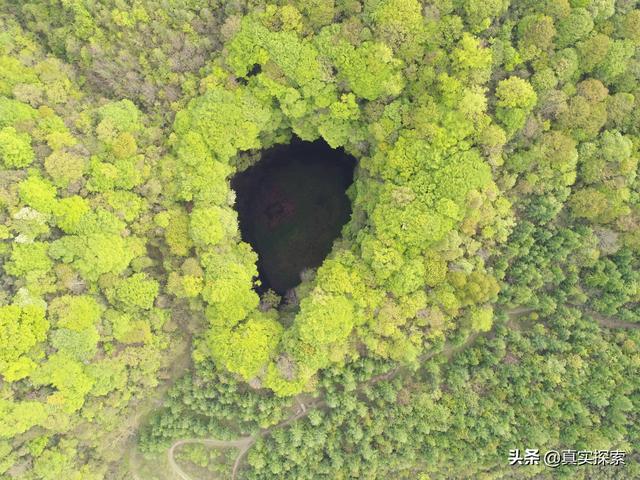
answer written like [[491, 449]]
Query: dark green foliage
[[435, 421], [210, 403]]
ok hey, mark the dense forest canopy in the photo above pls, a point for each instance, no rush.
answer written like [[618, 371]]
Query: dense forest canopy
[[483, 296]]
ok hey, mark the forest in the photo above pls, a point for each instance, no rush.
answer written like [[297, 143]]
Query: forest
[[458, 279]]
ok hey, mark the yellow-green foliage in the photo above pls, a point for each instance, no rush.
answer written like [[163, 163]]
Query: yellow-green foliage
[[435, 176]]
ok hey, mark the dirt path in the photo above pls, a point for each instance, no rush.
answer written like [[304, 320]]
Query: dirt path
[[243, 444], [177, 366], [609, 322]]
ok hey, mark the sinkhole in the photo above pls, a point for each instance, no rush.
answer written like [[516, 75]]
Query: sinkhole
[[291, 206]]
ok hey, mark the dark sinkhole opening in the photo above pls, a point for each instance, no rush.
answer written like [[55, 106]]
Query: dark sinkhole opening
[[291, 206]]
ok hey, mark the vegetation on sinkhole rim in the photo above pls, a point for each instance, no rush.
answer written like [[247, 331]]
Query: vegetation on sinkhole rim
[[411, 200]]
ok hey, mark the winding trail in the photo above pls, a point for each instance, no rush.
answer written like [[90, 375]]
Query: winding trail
[[243, 444], [609, 322]]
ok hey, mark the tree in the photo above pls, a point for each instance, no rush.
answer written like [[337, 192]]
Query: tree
[[254, 342], [75, 312], [383, 76], [64, 167], [479, 14], [574, 27], [21, 329], [482, 319], [470, 61], [95, 254], [18, 417], [514, 92], [325, 319], [399, 24], [76, 319], [593, 51], [515, 99], [38, 193], [137, 291], [68, 377], [13, 112], [616, 62], [127, 330], [109, 375], [29, 259], [15, 148], [535, 35], [69, 213], [209, 225], [123, 116], [629, 26]]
